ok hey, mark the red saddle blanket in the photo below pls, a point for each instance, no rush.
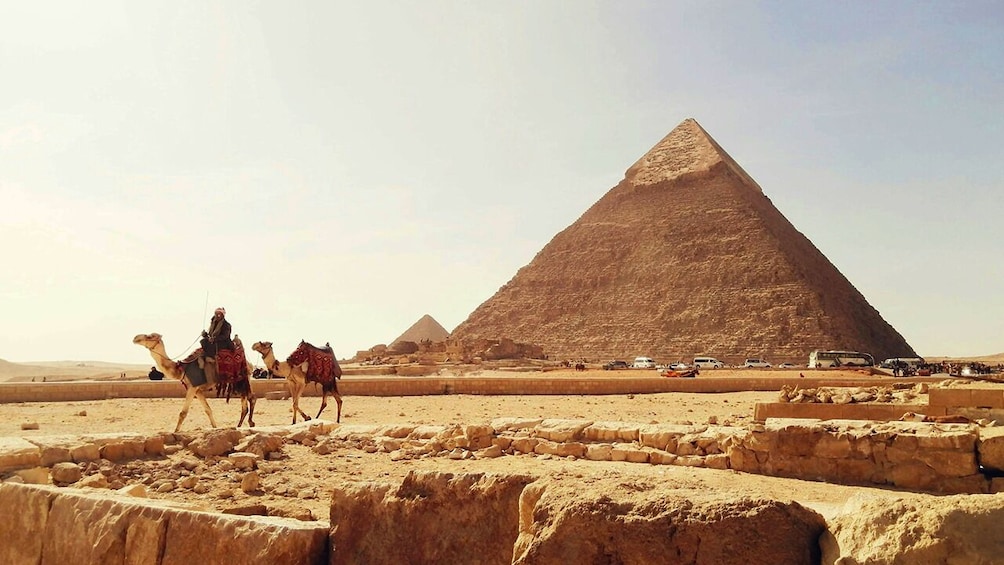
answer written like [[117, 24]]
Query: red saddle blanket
[[322, 366], [231, 365]]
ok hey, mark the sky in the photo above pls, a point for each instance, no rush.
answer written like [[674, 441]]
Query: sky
[[332, 170]]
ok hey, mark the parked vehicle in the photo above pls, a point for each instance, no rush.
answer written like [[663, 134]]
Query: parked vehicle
[[707, 363], [823, 359], [643, 363], [755, 363], [786, 366], [615, 365]]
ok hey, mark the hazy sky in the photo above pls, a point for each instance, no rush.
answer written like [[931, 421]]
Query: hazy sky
[[332, 171]]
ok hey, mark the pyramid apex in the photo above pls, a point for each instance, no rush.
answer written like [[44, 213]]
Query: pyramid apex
[[686, 150]]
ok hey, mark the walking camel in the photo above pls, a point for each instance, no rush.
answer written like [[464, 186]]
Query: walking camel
[[307, 364], [232, 375]]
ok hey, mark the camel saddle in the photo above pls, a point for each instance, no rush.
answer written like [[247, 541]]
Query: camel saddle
[[322, 366], [231, 366]]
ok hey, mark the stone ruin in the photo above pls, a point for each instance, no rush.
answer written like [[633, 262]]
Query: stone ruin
[[427, 352], [516, 518]]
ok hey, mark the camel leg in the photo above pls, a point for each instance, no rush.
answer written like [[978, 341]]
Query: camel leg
[[244, 410], [205, 405], [338, 401], [184, 409], [251, 400], [297, 392], [324, 404]]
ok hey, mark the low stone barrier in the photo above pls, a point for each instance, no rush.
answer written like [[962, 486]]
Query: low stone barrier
[[363, 385], [920, 456]]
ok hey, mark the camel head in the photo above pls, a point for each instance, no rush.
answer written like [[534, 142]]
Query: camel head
[[148, 341], [263, 347]]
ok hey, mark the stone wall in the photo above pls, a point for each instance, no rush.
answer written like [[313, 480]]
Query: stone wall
[[477, 518], [619, 382], [47, 525]]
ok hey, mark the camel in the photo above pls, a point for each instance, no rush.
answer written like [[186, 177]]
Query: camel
[[298, 374], [229, 380]]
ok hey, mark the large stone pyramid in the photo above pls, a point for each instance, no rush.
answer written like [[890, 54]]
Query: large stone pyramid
[[426, 328], [685, 256]]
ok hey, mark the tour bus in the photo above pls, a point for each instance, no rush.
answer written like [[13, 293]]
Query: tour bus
[[822, 359]]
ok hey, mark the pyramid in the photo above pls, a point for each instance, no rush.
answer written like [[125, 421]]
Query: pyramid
[[685, 256], [426, 328]]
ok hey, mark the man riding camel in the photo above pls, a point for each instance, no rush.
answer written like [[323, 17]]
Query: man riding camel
[[214, 339]]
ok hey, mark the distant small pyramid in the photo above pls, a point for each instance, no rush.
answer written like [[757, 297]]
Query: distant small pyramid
[[685, 256], [426, 328]]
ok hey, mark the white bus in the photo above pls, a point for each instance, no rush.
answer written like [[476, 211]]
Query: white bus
[[822, 359]]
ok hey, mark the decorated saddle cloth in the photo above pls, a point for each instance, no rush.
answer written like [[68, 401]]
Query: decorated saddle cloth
[[231, 366], [322, 366]]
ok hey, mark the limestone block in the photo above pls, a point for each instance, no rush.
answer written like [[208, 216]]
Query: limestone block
[[761, 440], [611, 431], [513, 424], [571, 449], [742, 459], [660, 436], [916, 529], [524, 444], [355, 431], [18, 453], [85, 452], [35, 475], [244, 460], [25, 510], [950, 437], [717, 461], [504, 442], [260, 443], [857, 472], [561, 430], [950, 463], [154, 446], [657, 457], [50, 455], [598, 452], [478, 436], [832, 446], [604, 522], [546, 447], [66, 473], [689, 461], [991, 448], [214, 442], [425, 431], [445, 518], [808, 468], [914, 475], [489, 452], [60, 526], [399, 431]]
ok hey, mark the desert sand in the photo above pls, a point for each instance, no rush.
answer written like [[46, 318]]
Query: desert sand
[[299, 484]]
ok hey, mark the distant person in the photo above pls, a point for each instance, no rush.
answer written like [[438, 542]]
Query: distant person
[[155, 375], [217, 337]]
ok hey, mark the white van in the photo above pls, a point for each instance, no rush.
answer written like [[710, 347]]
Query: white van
[[707, 363], [643, 363]]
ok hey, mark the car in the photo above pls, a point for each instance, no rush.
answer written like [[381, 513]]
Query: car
[[615, 365], [707, 363], [755, 363], [786, 366], [643, 363], [678, 366]]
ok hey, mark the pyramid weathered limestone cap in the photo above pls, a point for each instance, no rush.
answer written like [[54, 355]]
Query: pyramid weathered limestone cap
[[688, 149]]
